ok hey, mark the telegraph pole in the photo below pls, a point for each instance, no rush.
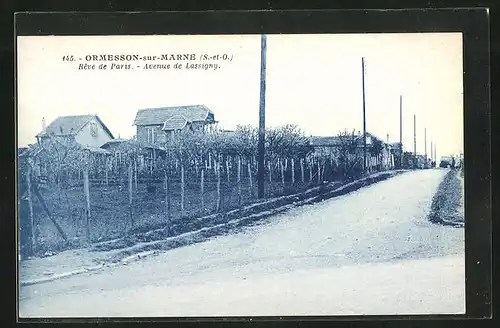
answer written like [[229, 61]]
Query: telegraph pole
[[435, 154], [262, 118], [425, 143], [364, 114], [432, 153], [415, 138], [401, 131]]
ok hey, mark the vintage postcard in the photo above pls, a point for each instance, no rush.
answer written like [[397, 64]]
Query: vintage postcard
[[241, 175]]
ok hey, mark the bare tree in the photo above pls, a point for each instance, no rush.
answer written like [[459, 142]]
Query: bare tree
[[287, 141], [61, 155], [350, 154]]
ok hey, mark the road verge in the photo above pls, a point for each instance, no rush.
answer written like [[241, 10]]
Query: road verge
[[223, 223], [135, 247], [446, 208]]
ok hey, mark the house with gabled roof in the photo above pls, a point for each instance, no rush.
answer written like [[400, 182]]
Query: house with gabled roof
[[382, 158], [147, 154], [155, 125], [75, 135], [88, 131]]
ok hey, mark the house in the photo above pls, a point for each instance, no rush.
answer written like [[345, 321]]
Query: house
[[155, 125], [379, 153], [88, 131], [80, 135], [397, 153], [421, 162], [146, 154], [326, 146]]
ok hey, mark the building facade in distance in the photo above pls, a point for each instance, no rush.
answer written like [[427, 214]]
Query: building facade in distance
[[156, 125]]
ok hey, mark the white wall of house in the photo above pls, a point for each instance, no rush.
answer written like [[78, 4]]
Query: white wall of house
[[92, 134]]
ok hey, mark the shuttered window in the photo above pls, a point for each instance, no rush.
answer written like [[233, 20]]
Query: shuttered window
[[151, 135], [93, 129]]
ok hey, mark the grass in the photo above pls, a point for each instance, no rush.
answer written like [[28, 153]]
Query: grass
[[446, 203], [111, 215], [233, 220]]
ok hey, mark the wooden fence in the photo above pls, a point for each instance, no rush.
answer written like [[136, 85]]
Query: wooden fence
[[94, 205]]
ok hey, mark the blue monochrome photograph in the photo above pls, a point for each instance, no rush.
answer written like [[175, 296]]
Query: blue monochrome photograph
[[240, 175]]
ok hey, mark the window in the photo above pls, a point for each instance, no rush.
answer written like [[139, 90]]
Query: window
[[151, 135], [93, 129]]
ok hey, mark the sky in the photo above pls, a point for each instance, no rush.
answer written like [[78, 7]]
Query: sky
[[314, 81]]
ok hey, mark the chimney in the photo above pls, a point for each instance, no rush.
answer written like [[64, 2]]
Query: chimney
[[387, 137], [44, 127]]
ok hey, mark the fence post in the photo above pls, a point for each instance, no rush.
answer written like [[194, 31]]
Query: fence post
[[167, 200], [182, 189], [227, 170], [130, 194], [151, 166], [282, 172], [154, 161], [311, 164], [249, 166], [270, 172], [219, 198], [202, 189], [239, 180], [32, 218], [106, 170], [302, 169], [42, 202], [135, 173], [319, 172], [86, 189]]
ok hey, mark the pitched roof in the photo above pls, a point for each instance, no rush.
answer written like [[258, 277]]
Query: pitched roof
[[156, 116], [29, 151], [70, 125], [373, 136], [337, 140], [177, 122], [325, 141], [115, 141], [22, 150], [130, 142], [96, 150]]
